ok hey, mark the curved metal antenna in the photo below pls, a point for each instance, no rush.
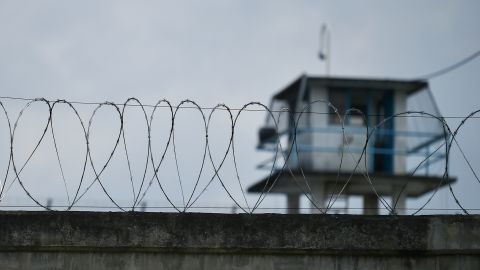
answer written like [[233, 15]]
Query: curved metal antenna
[[324, 53]]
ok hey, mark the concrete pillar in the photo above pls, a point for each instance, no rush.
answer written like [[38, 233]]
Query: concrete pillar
[[400, 124], [370, 204], [401, 201], [293, 203], [318, 198]]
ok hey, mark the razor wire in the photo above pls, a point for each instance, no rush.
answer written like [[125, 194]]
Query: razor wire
[[14, 168]]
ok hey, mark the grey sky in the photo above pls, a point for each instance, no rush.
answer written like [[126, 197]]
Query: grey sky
[[234, 52]]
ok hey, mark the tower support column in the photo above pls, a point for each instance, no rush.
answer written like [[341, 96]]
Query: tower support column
[[293, 203], [317, 198], [370, 204], [400, 199]]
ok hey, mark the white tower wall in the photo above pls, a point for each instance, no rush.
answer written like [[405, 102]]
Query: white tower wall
[[400, 124], [333, 141]]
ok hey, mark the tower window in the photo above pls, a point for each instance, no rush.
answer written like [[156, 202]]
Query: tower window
[[343, 100]]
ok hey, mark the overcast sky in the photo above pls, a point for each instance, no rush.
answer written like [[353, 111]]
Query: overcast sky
[[235, 52]]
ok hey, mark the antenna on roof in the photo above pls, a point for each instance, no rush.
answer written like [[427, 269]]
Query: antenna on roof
[[324, 52]]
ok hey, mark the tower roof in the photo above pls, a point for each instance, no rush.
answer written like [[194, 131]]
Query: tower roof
[[409, 86]]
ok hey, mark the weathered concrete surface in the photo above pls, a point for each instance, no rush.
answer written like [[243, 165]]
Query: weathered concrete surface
[[99, 240]]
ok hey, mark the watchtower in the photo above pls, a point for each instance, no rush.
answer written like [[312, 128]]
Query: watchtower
[[322, 125]]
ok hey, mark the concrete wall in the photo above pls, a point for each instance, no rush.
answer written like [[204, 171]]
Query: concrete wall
[[88, 240]]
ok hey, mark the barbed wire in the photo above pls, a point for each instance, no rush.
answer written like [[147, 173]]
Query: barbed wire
[[283, 110], [283, 154], [230, 208]]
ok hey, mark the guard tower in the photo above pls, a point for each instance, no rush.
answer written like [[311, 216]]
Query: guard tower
[[323, 154]]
